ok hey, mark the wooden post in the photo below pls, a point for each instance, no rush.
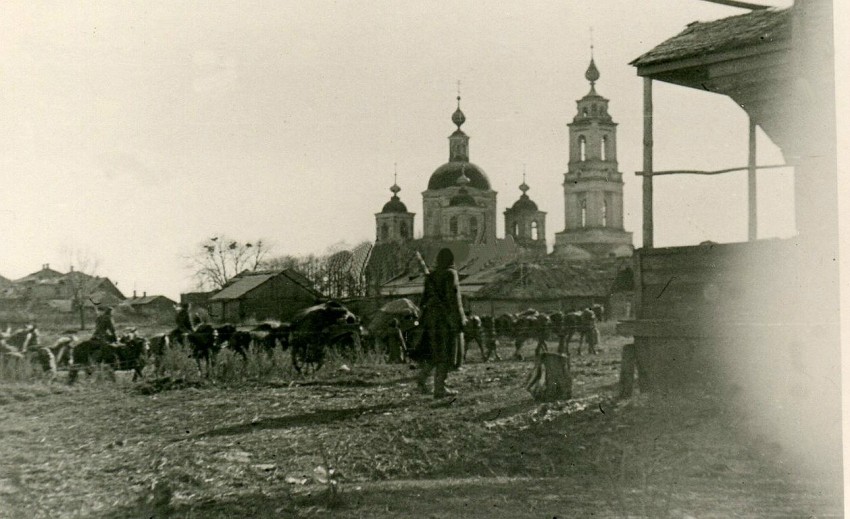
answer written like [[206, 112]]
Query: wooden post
[[752, 230], [647, 163]]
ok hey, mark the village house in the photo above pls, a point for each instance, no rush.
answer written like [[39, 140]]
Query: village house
[[263, 295]]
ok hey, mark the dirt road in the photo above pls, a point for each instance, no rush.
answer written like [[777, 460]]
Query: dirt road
[[109, 450]]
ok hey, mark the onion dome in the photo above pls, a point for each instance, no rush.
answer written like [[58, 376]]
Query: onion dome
[[592, 73], [448, 174], [458, 118], [524, 203], [394, 205]]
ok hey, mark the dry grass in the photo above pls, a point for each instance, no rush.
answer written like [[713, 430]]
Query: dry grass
[[251, 446]]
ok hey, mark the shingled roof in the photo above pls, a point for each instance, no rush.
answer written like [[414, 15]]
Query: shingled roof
[[551, 279], [702, 38]]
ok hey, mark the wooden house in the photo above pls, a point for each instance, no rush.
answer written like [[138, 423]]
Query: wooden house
[[275, 295]]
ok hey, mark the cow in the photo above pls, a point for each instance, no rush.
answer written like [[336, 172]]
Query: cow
[[472, 332], [488, 337], [18, 342], [599, 312], [565, 325], [530, 324], [128, 352]]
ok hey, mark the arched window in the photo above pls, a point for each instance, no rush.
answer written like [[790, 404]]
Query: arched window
[[402, 230], [605, 213], [453, 225], [582, 148], [534, 231], [604, 148], [473, 227], [516, 229], [584, 112], [385, 232], [584, 213]]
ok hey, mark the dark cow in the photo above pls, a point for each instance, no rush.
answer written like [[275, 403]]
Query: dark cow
[[128, 352], [488, 337], [472, 332], [267, 336], [18, 342], [327, 325], [530, 324], [565, 326], [599, 312]]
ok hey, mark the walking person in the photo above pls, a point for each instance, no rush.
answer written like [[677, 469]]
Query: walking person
[[443, 320]]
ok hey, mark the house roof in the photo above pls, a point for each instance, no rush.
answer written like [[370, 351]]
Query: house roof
[[701, 38], [550, 278], [248, 281], [40, 275], [146, 300]]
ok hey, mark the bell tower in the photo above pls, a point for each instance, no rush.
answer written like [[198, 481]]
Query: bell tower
[[593, 187]]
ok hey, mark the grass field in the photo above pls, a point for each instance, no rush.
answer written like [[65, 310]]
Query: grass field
[[250, 449]]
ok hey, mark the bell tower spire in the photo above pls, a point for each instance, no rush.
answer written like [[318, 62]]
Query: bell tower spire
[[458, 141], [593, 187]]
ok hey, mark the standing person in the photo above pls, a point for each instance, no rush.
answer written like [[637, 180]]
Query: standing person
[[183, 319], [444, 320], [396, 348], [104, 327], [591, 333]]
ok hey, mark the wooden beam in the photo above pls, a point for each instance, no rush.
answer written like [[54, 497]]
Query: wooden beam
[[647, 163], [700, 172], [752, 227], [737, 3]]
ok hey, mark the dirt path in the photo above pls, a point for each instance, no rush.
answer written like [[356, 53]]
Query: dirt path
[[109, 451]]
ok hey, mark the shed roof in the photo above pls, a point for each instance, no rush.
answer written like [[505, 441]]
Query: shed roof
[[248, 281], [550, 278], [701, 38], [241, 286]]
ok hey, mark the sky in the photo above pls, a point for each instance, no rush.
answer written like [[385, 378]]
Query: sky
[[132, 131]]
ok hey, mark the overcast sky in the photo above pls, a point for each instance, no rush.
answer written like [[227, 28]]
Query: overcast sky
[[132, 131]]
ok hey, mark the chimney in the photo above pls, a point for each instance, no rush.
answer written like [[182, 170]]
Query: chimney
[[45, 266], [72, 268], [144, 294], [134, 294]]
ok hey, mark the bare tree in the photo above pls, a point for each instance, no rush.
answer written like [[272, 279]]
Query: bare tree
[[218, 259], [82, 279]]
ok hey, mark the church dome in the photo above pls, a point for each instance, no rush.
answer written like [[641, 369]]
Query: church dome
[[448, 174], [524, 204], [394, 206]]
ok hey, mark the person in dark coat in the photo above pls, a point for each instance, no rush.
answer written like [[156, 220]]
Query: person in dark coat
[[184, 320], [396, 347], [104, 327], [443, 320]]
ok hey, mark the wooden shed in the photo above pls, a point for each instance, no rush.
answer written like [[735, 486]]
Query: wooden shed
[[698, 306], [275, 295]]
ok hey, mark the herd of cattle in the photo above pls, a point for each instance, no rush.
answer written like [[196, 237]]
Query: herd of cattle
[[308, 336]]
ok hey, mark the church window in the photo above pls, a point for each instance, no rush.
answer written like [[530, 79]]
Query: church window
[[516, 229], [584, 213], [385, 232], [604, 148], [473, 227], [605, 213], [403, 230], [584, 111], [534, 231], [582, 148], [453, 225], [593, 109]]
